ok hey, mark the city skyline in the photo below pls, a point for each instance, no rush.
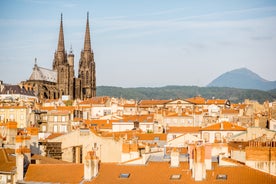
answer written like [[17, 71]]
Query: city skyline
[[142, 43]]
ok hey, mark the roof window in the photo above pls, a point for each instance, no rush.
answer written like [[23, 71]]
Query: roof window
[[221, 177], [175, 177], [124, 175]]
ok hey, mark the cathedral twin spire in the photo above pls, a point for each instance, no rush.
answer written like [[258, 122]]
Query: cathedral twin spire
[[86, 76], [61, 47], [87, 42]]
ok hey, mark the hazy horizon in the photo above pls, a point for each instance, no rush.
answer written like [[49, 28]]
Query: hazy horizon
[[142, 43]]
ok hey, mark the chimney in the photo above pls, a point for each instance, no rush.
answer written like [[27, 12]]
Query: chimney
[[175, 158], [11, 132], [199, 168], [19, 167], [147, 148], [91, 167], [221, 126]]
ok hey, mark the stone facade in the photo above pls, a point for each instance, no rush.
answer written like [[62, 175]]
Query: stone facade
[[61, 80]]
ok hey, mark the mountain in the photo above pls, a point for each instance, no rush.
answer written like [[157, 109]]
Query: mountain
[[182, 92], [244, 79]]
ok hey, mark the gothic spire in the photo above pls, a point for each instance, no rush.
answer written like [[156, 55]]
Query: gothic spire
[[87, 43], [61, 38]]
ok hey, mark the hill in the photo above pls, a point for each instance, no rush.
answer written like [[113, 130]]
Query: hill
[[244, 79], [183, 92]]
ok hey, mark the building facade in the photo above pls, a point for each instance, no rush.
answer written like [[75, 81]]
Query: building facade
[[60, 81]]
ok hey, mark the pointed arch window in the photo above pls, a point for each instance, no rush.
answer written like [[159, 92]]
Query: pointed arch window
[[87, 78]]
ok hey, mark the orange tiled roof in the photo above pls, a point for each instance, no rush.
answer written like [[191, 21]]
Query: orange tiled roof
[[101, 123], [216, 101], [13, 107], [190, 129], [55, 173], [135, 133], [160, 172], [174, 114], [95, 100], [238, 106], [198, 100], [139, 118], [151, 136], [54, 135], [48, 160], [129, 105], [58, 108], [229, 111], [149, 103], [7, 162], [227, 126]]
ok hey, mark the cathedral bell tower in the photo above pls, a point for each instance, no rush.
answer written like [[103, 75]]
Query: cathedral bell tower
[[65, 75], [87, 72]]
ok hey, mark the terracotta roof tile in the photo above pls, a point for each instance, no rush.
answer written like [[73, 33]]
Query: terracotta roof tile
[[95, 100], [48, 160], [100, 123], [223, 126], [196, 100], [139, 118], [229, 111], [216, 101], [174, 129], [7, 162], [55, 173], [54, 135], [160, 172], [149, 103]]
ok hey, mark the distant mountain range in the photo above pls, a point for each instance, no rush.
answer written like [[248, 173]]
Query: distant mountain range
[[183, 92], [236, 85], [244, 79]]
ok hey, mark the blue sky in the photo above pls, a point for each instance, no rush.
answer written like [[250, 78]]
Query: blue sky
[[140, 42]]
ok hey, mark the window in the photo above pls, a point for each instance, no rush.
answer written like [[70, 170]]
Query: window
[[63, 118], [156, 138], [21, 116], [44, 128], [229, 135], [206, 136], [55, 118], [2, 117], [11, 117], [63, 128], [221, 177], [217, 137], [175, 177], [124, 175], [55, 128]]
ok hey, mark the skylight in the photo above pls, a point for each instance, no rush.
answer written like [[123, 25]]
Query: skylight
[[124, 175], [175, 177], [221, 177]]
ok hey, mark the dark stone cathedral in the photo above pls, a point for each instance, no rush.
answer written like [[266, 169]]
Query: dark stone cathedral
[[61, 81]]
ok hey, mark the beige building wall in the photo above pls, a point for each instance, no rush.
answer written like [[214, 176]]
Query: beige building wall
[[107, 148], [19, 114]]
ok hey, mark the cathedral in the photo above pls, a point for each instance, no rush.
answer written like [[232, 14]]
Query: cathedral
[[60, 81]]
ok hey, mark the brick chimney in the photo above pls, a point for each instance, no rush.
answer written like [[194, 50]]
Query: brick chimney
[[91, 165]]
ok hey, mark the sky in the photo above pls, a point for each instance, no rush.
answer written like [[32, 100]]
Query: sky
[[142, 43]]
